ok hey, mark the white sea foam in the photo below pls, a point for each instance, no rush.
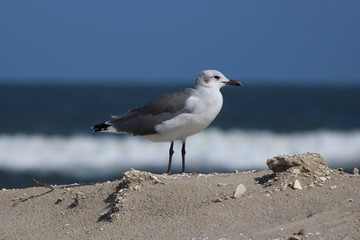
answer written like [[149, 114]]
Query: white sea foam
[[232, 149]]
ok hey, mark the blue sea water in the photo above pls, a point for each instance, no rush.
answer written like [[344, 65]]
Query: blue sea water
[[45, 131]]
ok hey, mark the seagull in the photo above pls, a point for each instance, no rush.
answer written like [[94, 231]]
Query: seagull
[[174, 116]]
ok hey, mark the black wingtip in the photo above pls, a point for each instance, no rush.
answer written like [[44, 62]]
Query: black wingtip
[[100, 127]]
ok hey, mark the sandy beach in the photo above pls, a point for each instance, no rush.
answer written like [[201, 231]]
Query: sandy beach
[[300, 198]]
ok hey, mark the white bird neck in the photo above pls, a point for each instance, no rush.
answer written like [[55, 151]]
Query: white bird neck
[[207, 87], [210, 95]]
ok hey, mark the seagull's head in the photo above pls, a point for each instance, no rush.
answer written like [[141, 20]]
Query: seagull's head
[[214, 79]]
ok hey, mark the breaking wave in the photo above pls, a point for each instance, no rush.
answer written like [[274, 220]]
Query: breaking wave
[[84, 155]]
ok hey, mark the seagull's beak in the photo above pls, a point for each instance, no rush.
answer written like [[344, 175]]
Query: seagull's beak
[[234, 83]]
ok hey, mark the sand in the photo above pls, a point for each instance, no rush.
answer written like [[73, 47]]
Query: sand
[[324, 203]]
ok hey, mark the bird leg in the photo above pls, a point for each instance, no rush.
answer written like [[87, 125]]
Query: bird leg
[[171, 152], [183, 152]]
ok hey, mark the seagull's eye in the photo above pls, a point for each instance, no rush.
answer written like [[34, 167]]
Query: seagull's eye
[[217, 77]]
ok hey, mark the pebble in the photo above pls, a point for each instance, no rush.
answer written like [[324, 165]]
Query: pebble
[[156, 179], [297, 185], [356, 171], [301, 232], [239, 191], [296, 171], [80, 195], [323, 179], [333, 187]]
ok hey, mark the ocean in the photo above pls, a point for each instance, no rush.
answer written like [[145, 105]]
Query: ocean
[[45, 131]]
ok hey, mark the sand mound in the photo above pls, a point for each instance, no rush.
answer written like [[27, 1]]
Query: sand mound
[[299, 171]]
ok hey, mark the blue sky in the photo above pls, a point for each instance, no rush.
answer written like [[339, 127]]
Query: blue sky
[[287, 41]]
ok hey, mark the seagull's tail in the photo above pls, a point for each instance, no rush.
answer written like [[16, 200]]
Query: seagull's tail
[[102, 127]]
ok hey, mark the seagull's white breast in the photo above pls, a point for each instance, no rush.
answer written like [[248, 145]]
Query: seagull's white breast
[[203, 106]]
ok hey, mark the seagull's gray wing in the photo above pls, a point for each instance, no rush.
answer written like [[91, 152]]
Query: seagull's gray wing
[[142, 120]]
